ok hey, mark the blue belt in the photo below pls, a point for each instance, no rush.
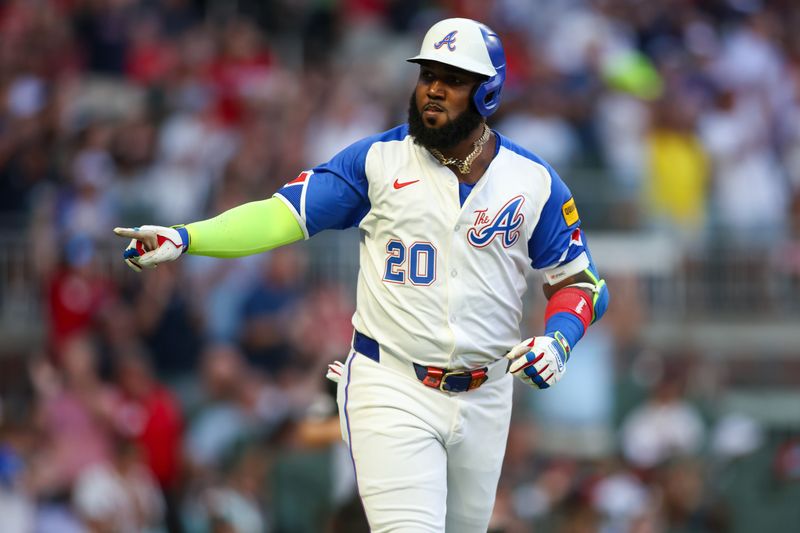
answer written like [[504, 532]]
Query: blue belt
[[434, 377], [367, 346]]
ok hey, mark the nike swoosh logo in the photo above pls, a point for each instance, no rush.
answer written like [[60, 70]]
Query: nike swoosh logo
[[399, 185]]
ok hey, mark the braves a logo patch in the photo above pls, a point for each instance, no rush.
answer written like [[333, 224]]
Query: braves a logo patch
[[506, 224], [449, 40]]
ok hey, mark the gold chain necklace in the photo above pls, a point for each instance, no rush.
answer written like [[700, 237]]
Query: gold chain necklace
[[464, 165]]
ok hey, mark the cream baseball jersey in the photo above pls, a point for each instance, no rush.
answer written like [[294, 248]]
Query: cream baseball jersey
[[442, 265]]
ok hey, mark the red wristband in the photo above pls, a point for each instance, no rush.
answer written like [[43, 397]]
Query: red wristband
[[571, 300]]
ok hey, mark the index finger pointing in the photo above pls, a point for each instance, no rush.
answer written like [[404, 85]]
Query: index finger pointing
[[128, 233], [146, 236]]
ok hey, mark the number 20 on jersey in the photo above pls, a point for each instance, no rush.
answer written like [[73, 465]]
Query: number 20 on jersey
[[417, 263]]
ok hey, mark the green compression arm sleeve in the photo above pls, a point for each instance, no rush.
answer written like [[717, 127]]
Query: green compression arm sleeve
[[245, 230]]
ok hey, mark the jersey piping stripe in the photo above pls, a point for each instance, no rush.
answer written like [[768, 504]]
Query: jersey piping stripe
[[347, 421], [303, 195], [300, 220]]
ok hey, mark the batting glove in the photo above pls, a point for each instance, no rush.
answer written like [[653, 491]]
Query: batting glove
[[335, 370], [151, 245], [540, 361]]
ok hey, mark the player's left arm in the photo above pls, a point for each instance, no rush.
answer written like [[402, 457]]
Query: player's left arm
[[573, 304], [576, 294], [581, 299]]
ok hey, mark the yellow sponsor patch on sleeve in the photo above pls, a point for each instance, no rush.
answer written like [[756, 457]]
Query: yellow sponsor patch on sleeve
[[570, 212]]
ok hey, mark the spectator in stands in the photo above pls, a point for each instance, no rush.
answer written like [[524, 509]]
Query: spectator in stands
[[750, 192], [329, 304], [169, 325], [622, 498], [686, 503], [87, 203], [270, 308], [347, 116], [74, 414], [665, 427], [679, 172], [192, 150], [235, 504], [150, 415], [119, 495], [133, 150], [77, 294], [17, 508], [28, 175], [540, 125], [219, 422]]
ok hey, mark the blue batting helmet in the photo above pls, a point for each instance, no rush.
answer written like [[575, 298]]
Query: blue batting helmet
[[471, 46]]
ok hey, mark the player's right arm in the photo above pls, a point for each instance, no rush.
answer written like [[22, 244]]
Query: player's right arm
[[243, 230], [330, 196], [333, 195]]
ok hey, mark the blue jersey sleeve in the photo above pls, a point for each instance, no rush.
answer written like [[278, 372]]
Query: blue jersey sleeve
[[332, 195], [335, 195], [557, 238]]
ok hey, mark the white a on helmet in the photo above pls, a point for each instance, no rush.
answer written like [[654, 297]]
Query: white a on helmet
[[470, 46]]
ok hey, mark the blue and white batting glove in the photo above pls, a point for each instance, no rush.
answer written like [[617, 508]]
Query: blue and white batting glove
[[540, 361], [151, 245]]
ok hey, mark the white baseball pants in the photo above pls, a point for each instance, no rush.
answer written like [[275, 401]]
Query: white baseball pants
[[425, 460]]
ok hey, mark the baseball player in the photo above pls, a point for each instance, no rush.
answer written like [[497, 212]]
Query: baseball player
[[451, 216]]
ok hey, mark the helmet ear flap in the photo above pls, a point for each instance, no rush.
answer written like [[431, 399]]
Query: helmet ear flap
[[487, 96]]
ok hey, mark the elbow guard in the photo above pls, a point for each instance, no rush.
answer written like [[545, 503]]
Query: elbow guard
[[599, 294], [570, 311]]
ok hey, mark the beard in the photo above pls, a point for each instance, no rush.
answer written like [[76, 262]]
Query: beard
[[449, 135]]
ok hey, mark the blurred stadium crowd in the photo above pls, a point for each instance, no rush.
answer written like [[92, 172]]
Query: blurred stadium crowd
[[192, 398]]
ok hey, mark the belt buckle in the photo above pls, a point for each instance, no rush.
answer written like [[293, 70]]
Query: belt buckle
[[448, 374]]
